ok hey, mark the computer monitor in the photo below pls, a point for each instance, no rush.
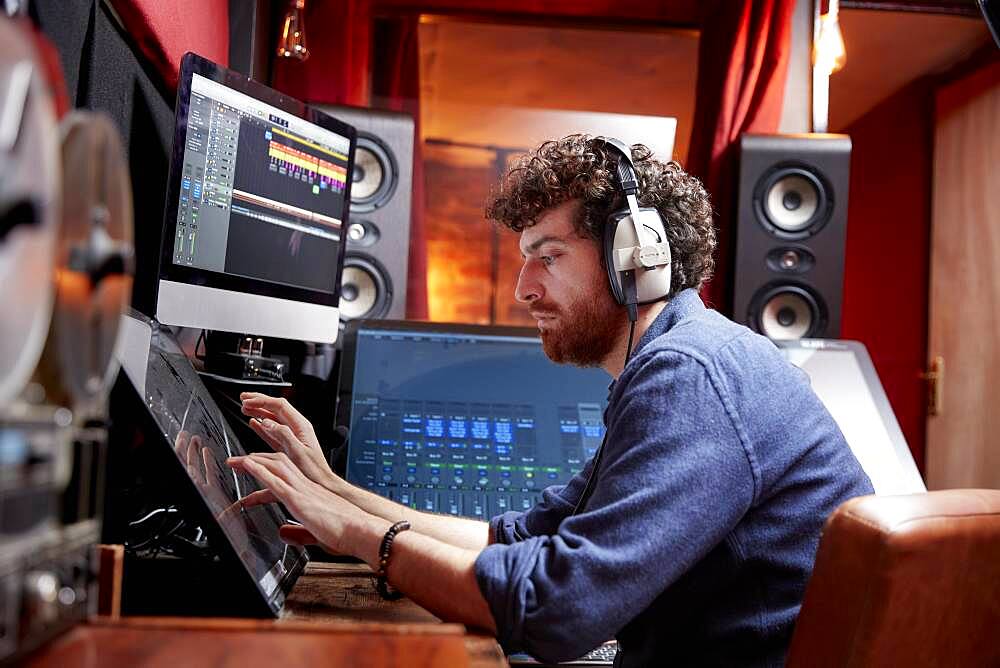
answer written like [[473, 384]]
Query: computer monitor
[[463, 419], [257, 202], [844, 378]]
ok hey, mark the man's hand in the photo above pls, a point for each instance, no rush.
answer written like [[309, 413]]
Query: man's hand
[[436, 575], [338, 526], [289, 432]]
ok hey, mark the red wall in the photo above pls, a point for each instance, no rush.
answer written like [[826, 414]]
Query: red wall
[[888, 236]]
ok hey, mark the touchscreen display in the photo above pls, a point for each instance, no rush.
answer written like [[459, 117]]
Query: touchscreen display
[[194, 427]]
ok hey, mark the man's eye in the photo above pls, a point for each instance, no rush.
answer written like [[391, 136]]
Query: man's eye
[[547, 260]]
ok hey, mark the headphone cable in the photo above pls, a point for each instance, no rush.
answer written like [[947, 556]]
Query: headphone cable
[[628, 348], [632, 306]]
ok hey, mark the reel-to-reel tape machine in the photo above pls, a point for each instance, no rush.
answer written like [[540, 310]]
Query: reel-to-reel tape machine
[[65, 278]]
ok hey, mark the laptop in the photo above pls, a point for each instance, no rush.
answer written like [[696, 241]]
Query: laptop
[[466, 420]]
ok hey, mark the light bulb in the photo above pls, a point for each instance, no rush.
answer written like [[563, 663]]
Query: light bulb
[[292, 42], [829, 52]]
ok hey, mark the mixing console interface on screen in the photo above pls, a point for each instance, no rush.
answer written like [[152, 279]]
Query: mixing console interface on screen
[[469, 425]]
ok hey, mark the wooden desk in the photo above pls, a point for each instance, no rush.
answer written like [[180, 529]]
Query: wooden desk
[[333, 617]]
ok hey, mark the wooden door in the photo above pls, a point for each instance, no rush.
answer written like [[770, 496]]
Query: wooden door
[[963, 440]]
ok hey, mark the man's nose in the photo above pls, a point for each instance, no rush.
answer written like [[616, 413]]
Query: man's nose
[[527, 289]]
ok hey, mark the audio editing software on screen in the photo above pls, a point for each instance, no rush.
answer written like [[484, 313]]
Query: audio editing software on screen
[[262, 191], [469, 425]]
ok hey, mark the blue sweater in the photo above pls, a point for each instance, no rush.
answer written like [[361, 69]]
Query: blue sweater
[[720, 467]]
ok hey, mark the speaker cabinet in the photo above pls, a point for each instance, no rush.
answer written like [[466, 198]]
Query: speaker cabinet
[[378, 233], [791, 230]]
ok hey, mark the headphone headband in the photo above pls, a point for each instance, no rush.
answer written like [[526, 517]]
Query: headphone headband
[[625, 167]]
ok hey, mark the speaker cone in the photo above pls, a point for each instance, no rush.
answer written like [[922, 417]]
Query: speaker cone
[[375, 174], [365, 291], [787, 312], [792, 202]]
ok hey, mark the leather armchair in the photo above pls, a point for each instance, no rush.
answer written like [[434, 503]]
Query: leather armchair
[[910, 580]]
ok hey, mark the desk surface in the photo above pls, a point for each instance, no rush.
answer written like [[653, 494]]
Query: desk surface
[[333, 616]]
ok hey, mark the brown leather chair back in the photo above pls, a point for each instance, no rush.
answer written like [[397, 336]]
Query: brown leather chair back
[[908, 580]]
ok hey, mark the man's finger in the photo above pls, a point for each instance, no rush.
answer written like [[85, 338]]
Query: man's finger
[[278, 436], [252, 411], [279, 406], [282, 465], [258, 428], [259, 498], [265, 476], [263, 455], [297, 535]]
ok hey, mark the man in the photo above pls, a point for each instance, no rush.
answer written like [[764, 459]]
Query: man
[[696, 536]]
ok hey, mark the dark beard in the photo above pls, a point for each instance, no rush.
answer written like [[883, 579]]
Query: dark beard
[[587, 334]]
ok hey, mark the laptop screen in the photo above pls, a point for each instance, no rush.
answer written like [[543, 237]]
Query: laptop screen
[[462, 419]]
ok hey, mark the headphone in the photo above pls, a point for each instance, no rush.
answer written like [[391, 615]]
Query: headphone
[[636, 252]]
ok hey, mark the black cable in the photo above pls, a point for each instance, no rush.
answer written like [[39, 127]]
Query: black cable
[[628, 348]]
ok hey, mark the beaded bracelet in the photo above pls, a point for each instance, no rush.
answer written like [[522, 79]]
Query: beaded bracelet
[[381, 579]]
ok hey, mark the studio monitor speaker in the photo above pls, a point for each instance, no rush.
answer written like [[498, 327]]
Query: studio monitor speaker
[[378, 232], [791, 231]]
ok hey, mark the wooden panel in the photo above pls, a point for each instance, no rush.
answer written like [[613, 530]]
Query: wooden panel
[[963, 443], [551, 68], [459, 239], [887, 50]]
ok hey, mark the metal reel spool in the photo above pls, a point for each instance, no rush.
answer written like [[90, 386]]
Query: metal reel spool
[[94, 258], [29, 210]]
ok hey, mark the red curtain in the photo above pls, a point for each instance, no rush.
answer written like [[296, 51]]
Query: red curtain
[[338, 36], [165, 31], [396, 86], [742, 66]]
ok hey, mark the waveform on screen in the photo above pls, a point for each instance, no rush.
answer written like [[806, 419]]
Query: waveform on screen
[[286, 209]]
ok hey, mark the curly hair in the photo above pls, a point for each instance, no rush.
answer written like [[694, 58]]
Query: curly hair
[[578, 168]]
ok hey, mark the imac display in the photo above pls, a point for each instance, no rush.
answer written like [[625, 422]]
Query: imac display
[[256, 207]]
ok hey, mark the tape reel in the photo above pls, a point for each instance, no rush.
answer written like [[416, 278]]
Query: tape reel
[[29, 210], [93, 276]]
